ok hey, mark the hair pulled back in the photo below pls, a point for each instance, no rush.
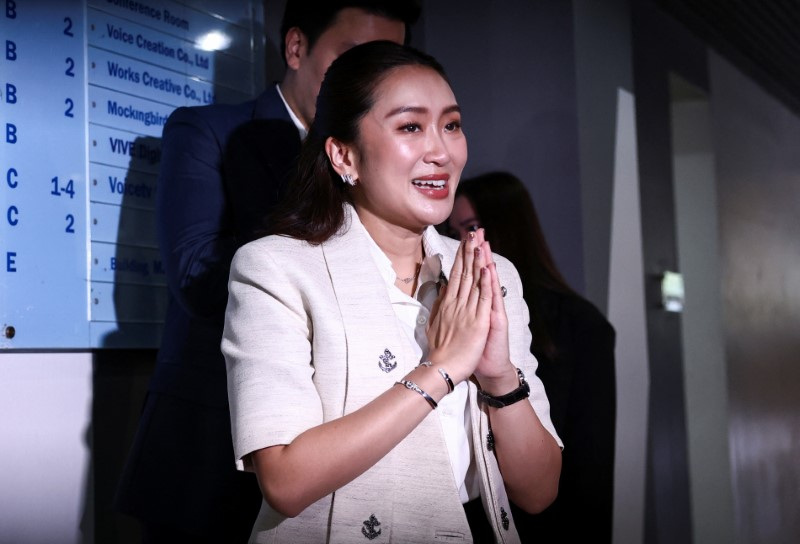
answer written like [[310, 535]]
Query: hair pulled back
[[312, 209]]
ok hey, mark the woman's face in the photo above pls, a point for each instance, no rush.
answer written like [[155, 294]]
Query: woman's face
[[464, 218], [410, 151]]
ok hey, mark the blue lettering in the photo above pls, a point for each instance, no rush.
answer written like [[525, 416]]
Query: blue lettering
[[166, 85], [128, 73], [123, 147], [140, 190], [11, 261], [12, 211], [11, 133], [11, 50], [119, 34], [175, 21], [130, 265], [11, 9], [190, 93], [11, 93], [11, 177]]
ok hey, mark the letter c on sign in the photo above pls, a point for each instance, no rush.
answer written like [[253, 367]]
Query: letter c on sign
[[12, 214], [11, 177]]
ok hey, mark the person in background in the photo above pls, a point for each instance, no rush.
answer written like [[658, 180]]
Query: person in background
[[372, 401], [574, 344], [223, 168]]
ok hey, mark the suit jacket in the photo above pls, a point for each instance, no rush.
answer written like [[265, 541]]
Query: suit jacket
[[306, 328], [179, 471]]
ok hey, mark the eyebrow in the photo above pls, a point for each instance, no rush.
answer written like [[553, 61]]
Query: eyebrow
[[421, 109]]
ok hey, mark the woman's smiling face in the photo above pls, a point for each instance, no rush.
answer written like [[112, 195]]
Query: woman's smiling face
[[410, 150]]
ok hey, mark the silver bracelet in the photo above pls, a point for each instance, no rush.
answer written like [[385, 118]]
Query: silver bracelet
[[425, 363], [408, 384], [446, 376]]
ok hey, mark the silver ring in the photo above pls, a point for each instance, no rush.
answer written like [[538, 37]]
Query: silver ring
[[503, 290]]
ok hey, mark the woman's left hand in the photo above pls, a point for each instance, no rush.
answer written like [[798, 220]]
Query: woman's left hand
[[495, 363]]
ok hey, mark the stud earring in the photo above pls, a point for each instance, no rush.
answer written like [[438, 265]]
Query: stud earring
[[348, 179]]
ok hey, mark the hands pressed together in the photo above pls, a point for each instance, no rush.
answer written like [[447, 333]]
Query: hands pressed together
[[468, 332], [468, 338]]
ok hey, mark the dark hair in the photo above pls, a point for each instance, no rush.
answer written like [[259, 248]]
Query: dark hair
[[505, 209], [314, 17], [313, 207]]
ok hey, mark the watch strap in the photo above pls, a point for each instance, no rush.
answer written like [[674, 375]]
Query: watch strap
[[501, 401]]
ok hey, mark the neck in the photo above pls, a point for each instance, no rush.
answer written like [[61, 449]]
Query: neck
[[402, 246]]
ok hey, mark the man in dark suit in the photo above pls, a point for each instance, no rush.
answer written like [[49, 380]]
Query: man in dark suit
[[223, 167]]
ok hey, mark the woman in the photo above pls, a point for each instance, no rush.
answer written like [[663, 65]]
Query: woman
[[574, 346], [339, 349]]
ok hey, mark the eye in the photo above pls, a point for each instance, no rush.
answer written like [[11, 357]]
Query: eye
[[453, 126], [410, 127], [473, 227]]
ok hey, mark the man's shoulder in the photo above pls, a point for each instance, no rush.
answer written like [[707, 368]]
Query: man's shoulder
[[225, 118], [227, 114]]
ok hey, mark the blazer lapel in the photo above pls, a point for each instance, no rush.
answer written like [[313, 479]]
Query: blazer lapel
[[268, 105], [378, 352]]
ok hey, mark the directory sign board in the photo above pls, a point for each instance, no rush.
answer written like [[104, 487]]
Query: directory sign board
[[85, 90]]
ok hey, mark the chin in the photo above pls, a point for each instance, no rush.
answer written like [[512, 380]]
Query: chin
[[436, 218]]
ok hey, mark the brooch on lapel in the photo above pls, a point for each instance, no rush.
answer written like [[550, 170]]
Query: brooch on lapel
[[368, 530], [385, 361]]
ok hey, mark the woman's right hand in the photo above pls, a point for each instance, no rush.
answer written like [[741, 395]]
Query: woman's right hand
[[460, 317]]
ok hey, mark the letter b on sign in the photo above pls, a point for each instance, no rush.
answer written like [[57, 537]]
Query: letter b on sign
[[11, 9], [11, 93], [11, 50], [11, 133]]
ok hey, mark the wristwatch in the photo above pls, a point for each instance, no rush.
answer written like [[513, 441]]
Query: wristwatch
[[521, 392]]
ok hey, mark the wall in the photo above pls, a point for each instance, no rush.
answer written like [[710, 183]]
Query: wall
[[45, 428], [511, 64], [758, 171], [704, 364]]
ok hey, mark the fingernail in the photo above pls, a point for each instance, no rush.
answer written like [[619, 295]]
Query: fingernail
[[471, 235]]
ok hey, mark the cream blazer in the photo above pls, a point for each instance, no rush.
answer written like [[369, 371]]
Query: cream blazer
[[309, 335]]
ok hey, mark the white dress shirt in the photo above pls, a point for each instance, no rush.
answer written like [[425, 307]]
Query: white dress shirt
[[452, 410]]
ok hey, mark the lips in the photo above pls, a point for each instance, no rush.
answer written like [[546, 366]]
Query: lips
[[433, 181], [433, 186]]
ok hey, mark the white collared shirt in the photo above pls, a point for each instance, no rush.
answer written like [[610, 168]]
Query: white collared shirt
[[452, 410], [295, 119]]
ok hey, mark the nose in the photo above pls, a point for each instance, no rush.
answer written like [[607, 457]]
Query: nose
[[436, 150]]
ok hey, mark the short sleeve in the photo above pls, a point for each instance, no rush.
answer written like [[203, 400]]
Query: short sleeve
[[267, 348], [519, 338]]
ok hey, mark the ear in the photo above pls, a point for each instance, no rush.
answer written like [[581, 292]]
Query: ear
[[296, 44], [342, 157]]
